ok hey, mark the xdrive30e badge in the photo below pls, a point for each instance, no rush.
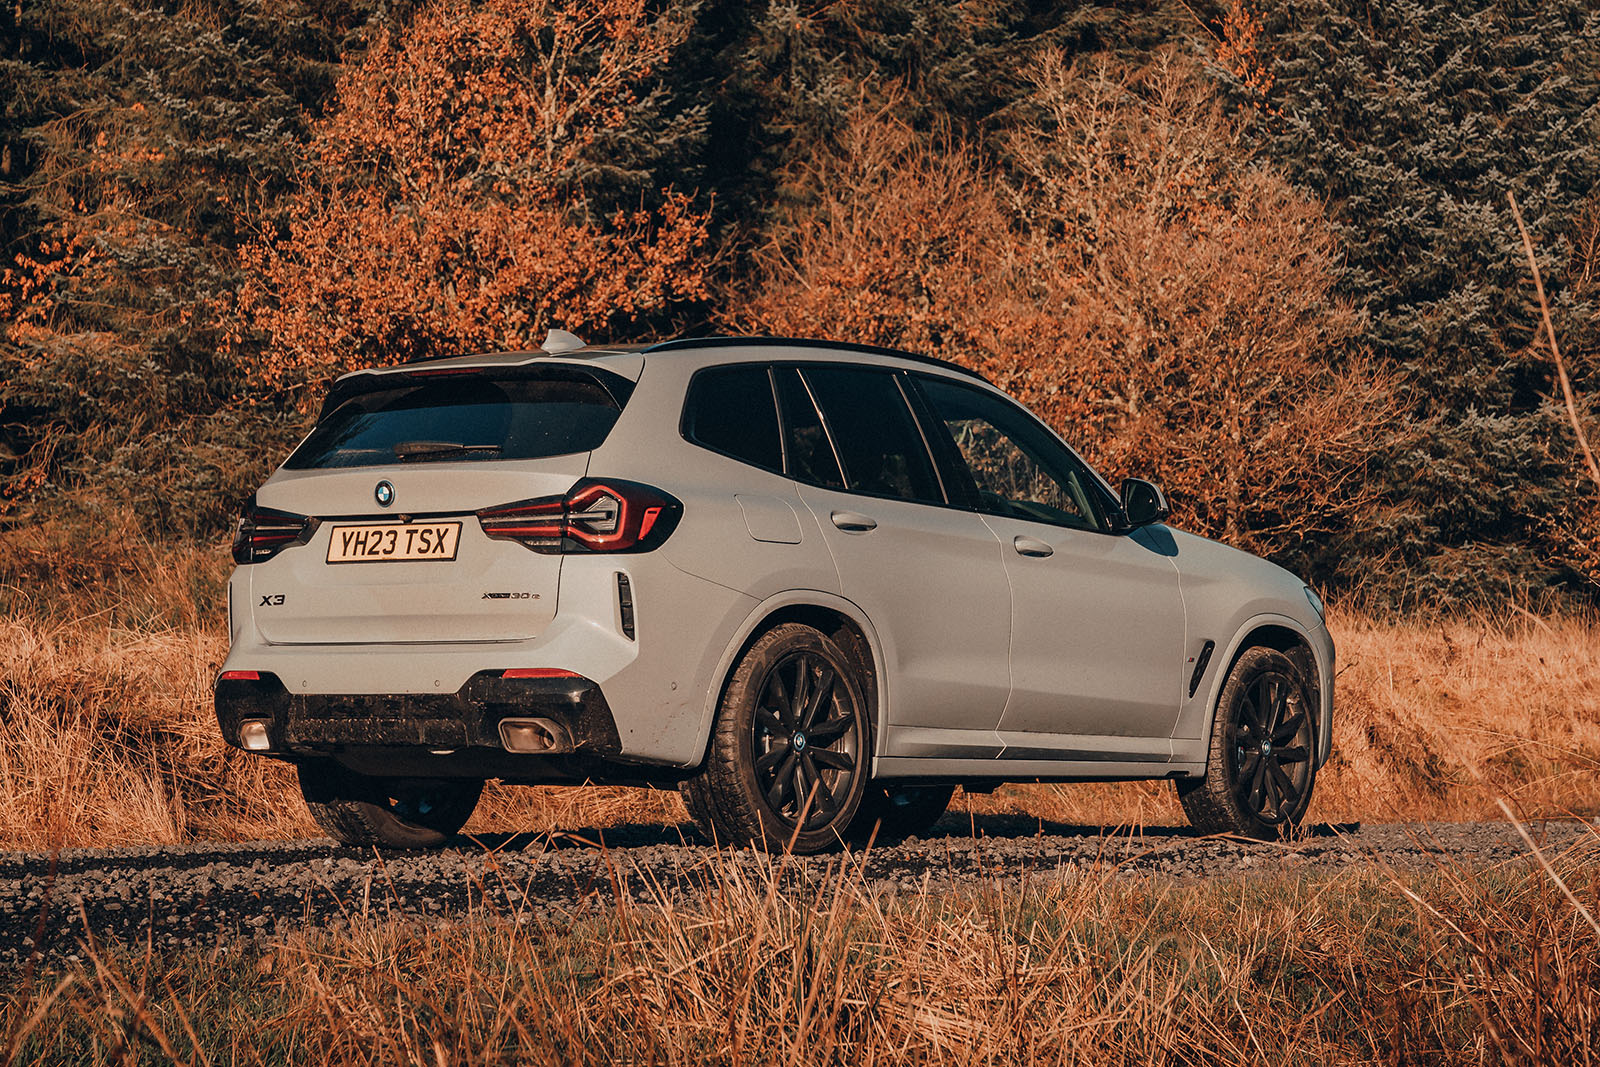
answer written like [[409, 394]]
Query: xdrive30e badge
[[384, 493]]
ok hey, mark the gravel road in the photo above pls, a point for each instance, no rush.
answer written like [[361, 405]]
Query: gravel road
[[193, 895]]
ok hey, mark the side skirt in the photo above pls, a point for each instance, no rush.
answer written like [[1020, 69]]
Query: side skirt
[[1032, 770]]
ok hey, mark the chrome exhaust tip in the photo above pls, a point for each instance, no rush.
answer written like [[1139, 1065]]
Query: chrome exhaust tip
[[539, 737], [253, 736]]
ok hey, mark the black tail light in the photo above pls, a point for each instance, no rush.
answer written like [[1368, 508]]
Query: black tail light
[[264, 532], [596, 515]]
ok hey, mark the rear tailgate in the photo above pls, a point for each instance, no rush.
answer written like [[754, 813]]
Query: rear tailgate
[[394, 472], [490, 591]]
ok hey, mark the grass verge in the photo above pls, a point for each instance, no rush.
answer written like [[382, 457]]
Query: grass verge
[[1452, 966]]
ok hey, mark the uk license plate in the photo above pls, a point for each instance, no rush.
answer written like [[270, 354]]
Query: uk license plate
[[394, 542]]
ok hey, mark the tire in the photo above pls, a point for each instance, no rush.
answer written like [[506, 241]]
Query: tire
[[357, 809], [697, 800], [898, 811], [792, 720], [1260, 765]]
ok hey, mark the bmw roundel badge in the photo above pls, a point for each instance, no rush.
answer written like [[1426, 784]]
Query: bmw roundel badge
[[384, 493]]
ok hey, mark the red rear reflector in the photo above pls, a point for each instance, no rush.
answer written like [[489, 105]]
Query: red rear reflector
[[239, 676], [649, 520], [539, 672]]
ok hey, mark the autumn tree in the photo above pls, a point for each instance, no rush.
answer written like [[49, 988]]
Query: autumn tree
[[1130, 273], [483, 176], [137, 143], [1197, 288], [902, 241]]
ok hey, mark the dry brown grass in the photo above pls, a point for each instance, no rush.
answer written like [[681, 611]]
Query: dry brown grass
[[1439, 720], [751, 967], [107, 734]]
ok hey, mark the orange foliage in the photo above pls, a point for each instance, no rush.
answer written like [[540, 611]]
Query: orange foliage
[[902, 244], [444, 207], [1134, 279], [1239, 49]]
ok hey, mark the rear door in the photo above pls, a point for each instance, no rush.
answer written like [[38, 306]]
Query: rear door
[[394, 476], [1097, 620], [930, 577]]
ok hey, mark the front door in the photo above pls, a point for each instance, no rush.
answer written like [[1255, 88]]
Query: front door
[[1097, 619]]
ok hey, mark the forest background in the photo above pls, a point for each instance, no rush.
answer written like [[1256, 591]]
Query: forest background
[[1262, 255]]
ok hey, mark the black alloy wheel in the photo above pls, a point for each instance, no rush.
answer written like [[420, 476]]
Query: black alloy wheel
[[1271, 759], [786, 767], [805, 742], [1260, 768]]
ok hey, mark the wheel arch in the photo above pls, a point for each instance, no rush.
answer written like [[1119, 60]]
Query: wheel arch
[[840, 619], [1288, 636]]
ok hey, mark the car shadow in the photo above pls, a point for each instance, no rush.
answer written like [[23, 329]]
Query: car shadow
[[1013, 826], [622, 835], [953, 826]]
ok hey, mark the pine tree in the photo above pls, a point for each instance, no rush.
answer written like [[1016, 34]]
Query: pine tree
[[143, 140], [1412, 120]]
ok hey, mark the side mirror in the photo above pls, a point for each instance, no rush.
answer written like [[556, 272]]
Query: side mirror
[[1143, 503]]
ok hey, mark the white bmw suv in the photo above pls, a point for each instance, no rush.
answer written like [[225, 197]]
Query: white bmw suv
[[813, 585]]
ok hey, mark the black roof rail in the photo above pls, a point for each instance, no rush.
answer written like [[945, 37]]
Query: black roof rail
[[682, 343]]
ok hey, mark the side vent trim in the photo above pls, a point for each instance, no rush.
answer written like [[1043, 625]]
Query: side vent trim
[[1201, 662], [625, 604]]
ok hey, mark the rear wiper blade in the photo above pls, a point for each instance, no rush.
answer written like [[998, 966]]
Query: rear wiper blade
[[405, 450]]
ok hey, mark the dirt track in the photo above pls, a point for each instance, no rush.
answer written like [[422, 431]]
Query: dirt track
[[194, 895]]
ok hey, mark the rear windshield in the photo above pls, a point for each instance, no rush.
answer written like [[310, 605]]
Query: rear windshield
[[480, 417]]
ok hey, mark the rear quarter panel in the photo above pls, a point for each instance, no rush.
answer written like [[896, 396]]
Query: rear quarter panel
[[697, 594]]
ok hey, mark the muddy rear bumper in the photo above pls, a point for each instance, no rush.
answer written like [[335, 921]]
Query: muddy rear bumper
[[447, 734]]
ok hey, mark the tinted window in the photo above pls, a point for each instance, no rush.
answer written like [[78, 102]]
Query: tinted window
[[1020, 470], [811, 457], [478, 417], [730, 409], [872, 429]]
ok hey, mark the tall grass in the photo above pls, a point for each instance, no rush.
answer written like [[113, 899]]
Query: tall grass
[[108, 649], [750, 966]]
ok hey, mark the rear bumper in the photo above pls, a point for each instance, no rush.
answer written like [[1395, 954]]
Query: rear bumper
[[449, 734]]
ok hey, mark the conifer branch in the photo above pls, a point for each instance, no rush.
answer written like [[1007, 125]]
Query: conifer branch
[[1555, 349]]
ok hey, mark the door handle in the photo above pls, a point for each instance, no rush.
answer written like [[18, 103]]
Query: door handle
[[853, 522], [1028, 546]]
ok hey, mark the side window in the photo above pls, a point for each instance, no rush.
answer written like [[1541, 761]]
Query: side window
[[730, 410], [811, 457], [1020, 470], [877, 439]]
